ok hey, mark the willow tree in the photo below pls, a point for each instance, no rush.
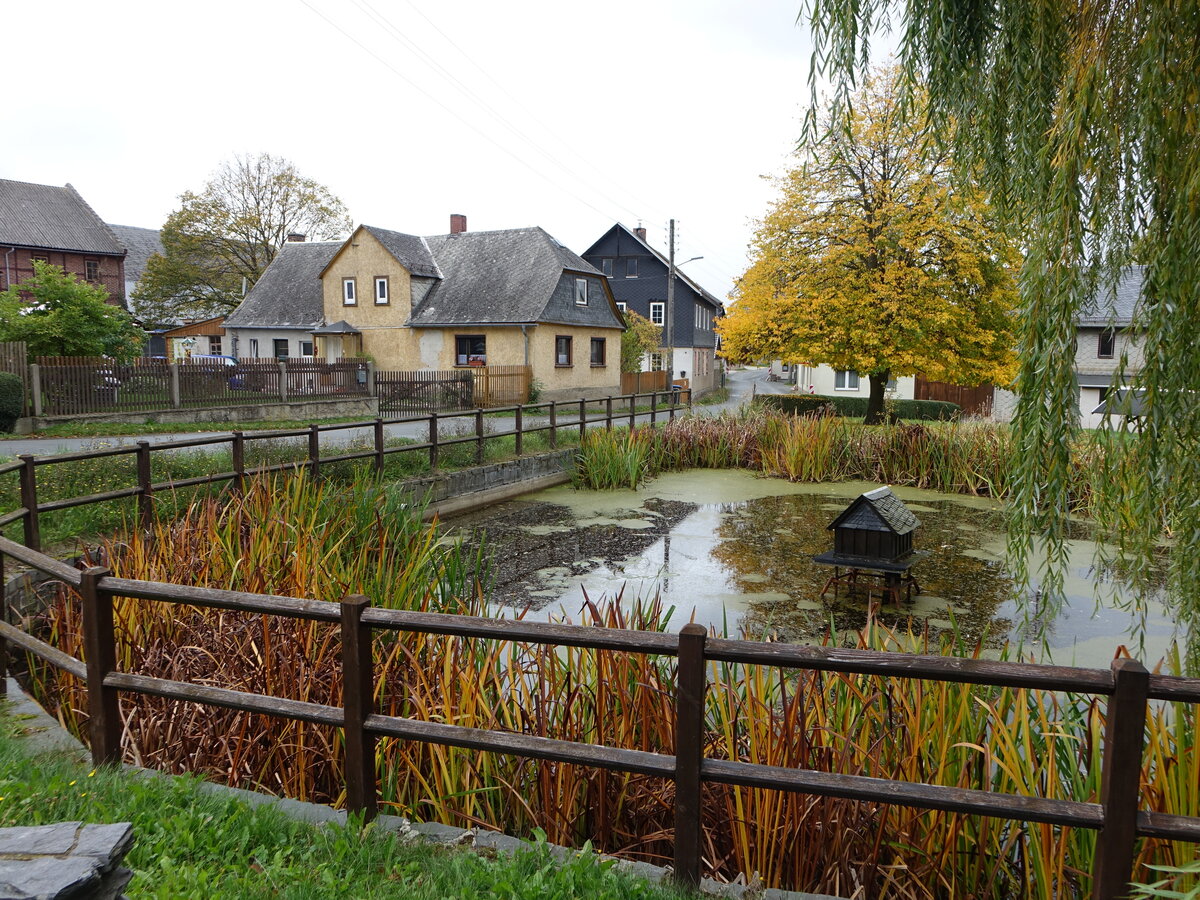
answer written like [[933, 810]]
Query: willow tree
[[1081, 118], [873, 260]]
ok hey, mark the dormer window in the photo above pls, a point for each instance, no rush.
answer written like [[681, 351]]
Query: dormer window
[[581, 291], [381, 290], [349, 293]]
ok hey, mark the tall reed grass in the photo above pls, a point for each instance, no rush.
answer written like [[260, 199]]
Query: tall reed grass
[[968, 457], [291, 536]]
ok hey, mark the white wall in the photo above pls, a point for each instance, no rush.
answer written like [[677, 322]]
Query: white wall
[[237, 341]]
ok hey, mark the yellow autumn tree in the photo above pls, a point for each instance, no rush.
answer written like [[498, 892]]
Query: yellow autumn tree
[[874, 259]]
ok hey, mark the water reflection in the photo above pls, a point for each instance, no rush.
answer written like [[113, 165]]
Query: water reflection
[[730, 549]]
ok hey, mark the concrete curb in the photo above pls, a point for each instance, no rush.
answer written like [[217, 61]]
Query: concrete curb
[[43, 734]]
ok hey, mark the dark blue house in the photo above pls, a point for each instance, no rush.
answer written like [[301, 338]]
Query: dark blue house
[[638, 275]]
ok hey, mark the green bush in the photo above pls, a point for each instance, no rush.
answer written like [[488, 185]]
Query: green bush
[[856, 407], [12, 400]]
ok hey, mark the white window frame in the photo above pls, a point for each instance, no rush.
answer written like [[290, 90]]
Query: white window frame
[[254, 348], [349, 292], [845, 380], [307, 348], [658, 361], [621, 305], [382, 297], [661, 308], [581, 292]]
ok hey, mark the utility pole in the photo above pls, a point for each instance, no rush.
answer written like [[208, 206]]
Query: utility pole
[[670, 306]]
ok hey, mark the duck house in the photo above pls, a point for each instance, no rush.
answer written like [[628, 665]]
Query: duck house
[[873, 537]]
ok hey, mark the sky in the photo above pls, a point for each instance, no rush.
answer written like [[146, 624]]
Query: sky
[[569, 116]]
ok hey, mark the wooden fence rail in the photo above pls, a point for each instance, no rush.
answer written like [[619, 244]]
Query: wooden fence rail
[[1117, 818]]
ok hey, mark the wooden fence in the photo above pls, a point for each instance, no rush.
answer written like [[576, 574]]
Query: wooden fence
[[641, 382], [1118, 817], [425, 391], [64, 386]]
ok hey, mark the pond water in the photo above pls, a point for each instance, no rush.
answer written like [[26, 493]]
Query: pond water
[[731, 549]]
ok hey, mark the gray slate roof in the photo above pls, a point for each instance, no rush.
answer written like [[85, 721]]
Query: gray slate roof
[[877, 510], [1114, 305], [52, 218], [288, 295], [140, 244], [410, 250], [496, 277], [665, 260]]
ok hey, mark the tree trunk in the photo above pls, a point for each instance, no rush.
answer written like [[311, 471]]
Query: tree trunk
[[875, 409]]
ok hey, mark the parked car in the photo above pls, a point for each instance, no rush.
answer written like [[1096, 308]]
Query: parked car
[[219, 364]]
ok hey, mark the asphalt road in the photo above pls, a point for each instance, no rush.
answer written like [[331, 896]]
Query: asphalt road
[[742, 383]]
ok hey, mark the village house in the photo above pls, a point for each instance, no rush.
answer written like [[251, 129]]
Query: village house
[[465, 299]]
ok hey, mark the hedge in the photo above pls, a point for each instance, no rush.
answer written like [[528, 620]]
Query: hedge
[[12, 400], [856, 407]]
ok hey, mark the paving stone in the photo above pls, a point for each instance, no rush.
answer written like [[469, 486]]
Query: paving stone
[[39, 840], [64, 861]]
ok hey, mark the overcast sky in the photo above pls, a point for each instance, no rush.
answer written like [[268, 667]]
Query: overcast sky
[[566, 115]]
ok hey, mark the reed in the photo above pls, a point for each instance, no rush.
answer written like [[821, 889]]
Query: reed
[[291, 536]]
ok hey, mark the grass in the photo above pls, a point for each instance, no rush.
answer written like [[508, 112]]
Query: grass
[[190, 843]]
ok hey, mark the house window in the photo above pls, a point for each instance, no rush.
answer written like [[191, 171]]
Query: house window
[[349, 294], [656, 362], [91, 268], [381, 290], [621, 305], [254, 348], [657, 313], [845, 381], [1106, 344], [631, 267], [280, 347], [598, 351], [306, 348], [214, 345], [581, 291], [606, 267], [562, 350], [470, 350]]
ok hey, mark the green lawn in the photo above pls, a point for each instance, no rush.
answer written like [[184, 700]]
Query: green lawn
[[194, 844]]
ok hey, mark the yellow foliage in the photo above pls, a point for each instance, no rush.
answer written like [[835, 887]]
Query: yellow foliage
[[875, 260]]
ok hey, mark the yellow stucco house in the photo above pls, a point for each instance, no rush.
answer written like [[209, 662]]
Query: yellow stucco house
[[458, 300]]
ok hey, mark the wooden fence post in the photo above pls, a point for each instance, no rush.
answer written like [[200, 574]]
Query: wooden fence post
[[33, 530], [582, 419], [175, 388], [553, 424], [689, 752], [608, 414], [239, 463], [633, 411], [145, 486], [3, 641], [479, 437], [104, 718], [314, 451], [519, 426], [283, 384], [1124, 736], [379, 446], [653, 408], [358, 700], [35, 388], [433, 441]]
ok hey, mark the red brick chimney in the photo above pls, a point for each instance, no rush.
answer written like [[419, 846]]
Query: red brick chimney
[[296, 238], [640, 231], [458, 223]]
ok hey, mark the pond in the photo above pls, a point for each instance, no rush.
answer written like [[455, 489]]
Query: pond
[[734, 550]]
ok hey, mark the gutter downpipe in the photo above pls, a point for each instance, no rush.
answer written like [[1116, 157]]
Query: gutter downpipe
[[8, 267], [525, 335]]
